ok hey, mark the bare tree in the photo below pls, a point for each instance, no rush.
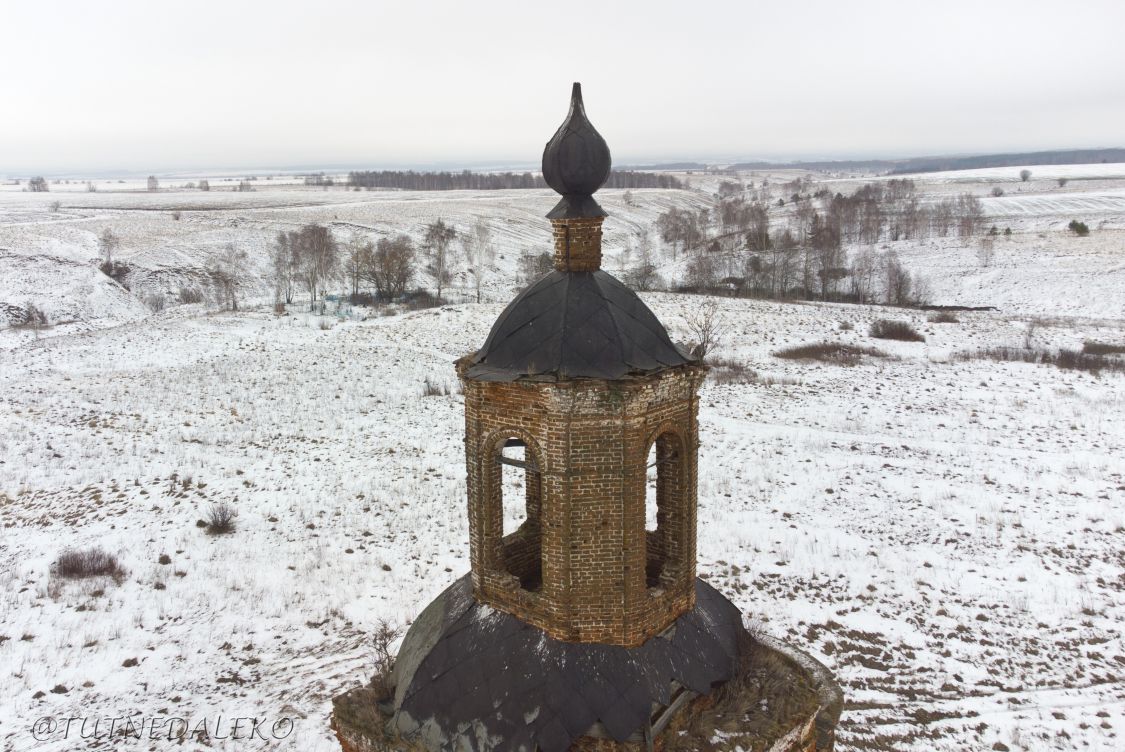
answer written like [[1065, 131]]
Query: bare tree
[[204, 185], [680, 229], [756, 220], [479, 252], [108, 242], [38, 184], [531, 266], [706, 327], [1025, 175], [283, 262], [899, 283], [317, 258], [970, 215], [153, 183], [358, 260], [941, 217], [642, 274], [702, 271], [439, 237], [824, 237], [1063, 182], [228, 272], [392, 266], [863, 273], [986, 251]]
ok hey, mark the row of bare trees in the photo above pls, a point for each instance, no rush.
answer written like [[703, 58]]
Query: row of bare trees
[[733, 246], [386, 265], [469, 180], [820, 269], [313, 260]]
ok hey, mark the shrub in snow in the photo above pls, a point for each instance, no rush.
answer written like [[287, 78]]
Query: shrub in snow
[[1102, 348], [191, 295], [434, 389], [900, 330], [829, 352], [87, 562], [29, 315], [1065, 359], [385, 635], [155, 302], [220, 519]]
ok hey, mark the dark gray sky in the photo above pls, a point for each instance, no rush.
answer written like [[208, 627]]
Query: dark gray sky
[[163, 86]]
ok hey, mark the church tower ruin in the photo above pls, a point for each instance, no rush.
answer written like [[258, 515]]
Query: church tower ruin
[[583, 626], [582, 380]]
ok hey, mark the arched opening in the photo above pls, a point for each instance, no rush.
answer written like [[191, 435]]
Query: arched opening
[[664, 488], [650, 490], [513, 485], [519, 484]]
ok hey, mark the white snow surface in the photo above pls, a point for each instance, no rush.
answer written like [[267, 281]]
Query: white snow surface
[[946, 535]]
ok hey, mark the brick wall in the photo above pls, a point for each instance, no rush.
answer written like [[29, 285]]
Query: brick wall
[[590, 441]]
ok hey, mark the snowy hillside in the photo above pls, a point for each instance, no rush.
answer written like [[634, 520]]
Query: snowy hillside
[[66, 290], [944, 531], [167, 252]]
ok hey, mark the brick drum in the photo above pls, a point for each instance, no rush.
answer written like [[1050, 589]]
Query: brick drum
[[582, 567], [578, 244]]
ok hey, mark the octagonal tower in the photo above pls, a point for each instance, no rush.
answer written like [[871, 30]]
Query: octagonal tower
[[575, 386]]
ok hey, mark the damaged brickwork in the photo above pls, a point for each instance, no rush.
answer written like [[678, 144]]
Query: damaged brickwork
[[582, 566]]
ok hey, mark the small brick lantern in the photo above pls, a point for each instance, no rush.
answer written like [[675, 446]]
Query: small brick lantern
[[583, 627]]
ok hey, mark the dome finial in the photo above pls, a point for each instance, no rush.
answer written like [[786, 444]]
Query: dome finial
[[576, 162]]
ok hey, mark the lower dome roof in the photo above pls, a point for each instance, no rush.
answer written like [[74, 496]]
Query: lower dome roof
[[470, 677]]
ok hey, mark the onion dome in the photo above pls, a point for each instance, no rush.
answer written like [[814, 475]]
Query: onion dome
[[576, 163]]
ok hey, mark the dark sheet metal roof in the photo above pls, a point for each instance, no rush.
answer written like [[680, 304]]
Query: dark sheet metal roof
[[469, 677], [576, 162], [575, 325]]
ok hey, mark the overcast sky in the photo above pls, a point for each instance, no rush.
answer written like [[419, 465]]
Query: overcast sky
[[156, 86]]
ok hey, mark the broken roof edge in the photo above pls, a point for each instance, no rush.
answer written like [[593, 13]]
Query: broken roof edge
[[464, 667], [482, 372]]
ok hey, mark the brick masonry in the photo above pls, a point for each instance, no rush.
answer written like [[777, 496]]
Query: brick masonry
[[578, 244], [577, 567]]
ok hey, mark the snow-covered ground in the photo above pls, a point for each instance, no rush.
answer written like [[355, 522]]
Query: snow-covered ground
[[946, 534]]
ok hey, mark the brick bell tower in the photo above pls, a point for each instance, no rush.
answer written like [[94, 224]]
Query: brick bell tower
[[579, 389], [582, 624]]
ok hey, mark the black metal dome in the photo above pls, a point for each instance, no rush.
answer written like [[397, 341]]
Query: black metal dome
[[469, 677], [576, 162], [575, 325]]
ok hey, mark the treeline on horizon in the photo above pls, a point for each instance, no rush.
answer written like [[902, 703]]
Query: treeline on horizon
[[943, 164], [487, 181]]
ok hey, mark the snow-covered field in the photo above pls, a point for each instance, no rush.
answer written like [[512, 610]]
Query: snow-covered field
[[948, 535]]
